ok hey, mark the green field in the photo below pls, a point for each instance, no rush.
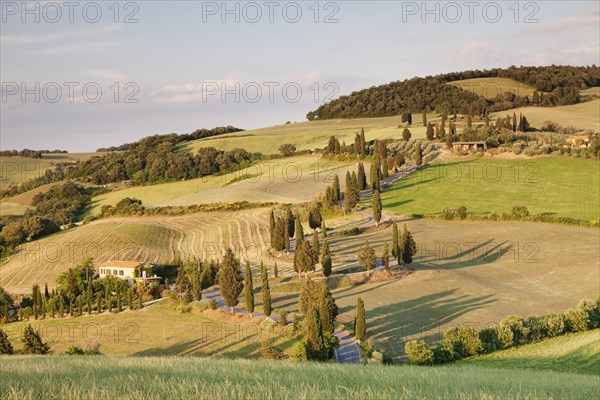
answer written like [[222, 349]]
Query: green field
[[552, 185], [157, 330], [14, 170], [582, 116], [494, 87], [577, 352], [468, 273], [310, 135], [73, 377], [290, 180]]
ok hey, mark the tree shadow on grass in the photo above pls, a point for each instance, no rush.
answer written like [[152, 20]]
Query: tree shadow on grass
[[487, 252], [420, 318]]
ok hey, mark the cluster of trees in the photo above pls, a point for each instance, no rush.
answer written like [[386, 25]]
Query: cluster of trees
[[79, 291], [195, 275], [32, 343], [37, 154], [320, 311], [403, 250], [50, 175], [197, 134], [61, 205], [461, 342], [561, 85]]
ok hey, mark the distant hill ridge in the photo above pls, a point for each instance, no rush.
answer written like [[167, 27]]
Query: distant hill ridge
[[560, 86]]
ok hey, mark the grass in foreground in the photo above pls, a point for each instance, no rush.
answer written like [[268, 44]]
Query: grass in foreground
[[578, 352], [554, 185], [78, 377]]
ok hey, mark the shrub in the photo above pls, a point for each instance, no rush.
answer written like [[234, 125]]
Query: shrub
[[33, 343], [464, 340], [5, 345], [592, 310], [516, 325], [297, 352], [283, 318], [74, 350], [576, 321], [270, 352], [444, 352], [462, 212], [490, 340], [418, 353], [519, 212]]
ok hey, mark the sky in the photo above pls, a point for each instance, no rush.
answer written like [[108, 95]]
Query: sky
[[82, 75]]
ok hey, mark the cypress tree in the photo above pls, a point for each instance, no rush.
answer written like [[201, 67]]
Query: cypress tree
[[363, 143], [272, 228], [129, 299], [316, 247], [385, 171], [266, 291], [299, 230], [140, 301], [315, 346], [61, 309], [360, 328], [119, 305], [418, 155], [362, 177], [71, 308], [323, 228], [336, 188], [5, 345], [314, 217], [230, 279], [275, 270], [366, 257], [406, 135], [326, 260], [44, 308], [449, 138], [409, 246], [46, 293], [98, 304], [328, 310], [514, 122], [425, 117], [385, 258], [376, 207], [89, 297], [291, 228], [110, 303], [52, 308], [249, 289], [286, 241]]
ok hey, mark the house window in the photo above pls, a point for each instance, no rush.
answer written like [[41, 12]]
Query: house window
[[102, 270], [114, 271], [120, 272]]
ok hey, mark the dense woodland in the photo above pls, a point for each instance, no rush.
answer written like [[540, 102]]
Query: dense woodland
[[555, 85]]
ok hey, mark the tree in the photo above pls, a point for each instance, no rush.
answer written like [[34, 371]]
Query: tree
[[395, 241], [266, 291], [46, 293], [425, 117], [362, 177], [514, 122], [275, 270], [299, 230], [359, 322], [336, 188], [363, 143], [291, 223], [5, 345], [304, 259], [98, 303], [406, 135], [324, 229], [328, 310], [287, 149], [230, 279], [182, 282], [376, 207], [315, 346], [33, 343], [409, 246], [326, 260], [272, 228], [316, 248], [119, 305], [314, 217], [429, 132], [449, 139], [385, 258], [351, 195], [418, 155], [366, 257], [375, 174], [249, 289]]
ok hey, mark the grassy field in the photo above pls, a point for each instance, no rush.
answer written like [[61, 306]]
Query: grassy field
[[577, 352], [555, 186], [493, 87], [159, 378], [152, 239], [291, 180], [469, 273], [14, 170], [582, 116], [157, 330], [310, 135]]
